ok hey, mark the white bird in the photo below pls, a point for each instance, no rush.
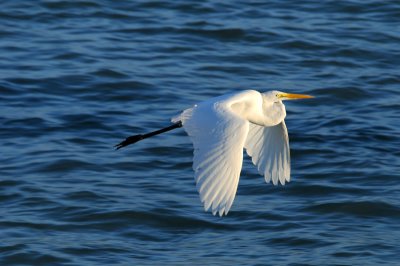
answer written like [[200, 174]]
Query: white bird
[[220, 128]]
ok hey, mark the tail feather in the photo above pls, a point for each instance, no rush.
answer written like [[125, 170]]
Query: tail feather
[[182, 117]]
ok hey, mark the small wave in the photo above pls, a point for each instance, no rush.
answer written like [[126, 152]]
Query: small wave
[[68, 56], [359, 209], [109, 73], [66, 165], [19, 256]]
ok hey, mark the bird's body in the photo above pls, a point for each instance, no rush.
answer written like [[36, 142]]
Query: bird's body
[[249, 105], [220, 128]]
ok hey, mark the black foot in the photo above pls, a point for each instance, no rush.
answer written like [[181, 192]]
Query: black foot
[[128, 141]]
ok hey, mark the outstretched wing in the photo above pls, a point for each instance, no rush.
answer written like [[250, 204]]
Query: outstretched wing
[[218, 137], [269, 149]]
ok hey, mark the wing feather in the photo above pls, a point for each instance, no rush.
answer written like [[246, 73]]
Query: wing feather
[[218, 137], [269, 149]]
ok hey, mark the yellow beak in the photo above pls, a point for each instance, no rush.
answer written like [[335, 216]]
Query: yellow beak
[[292, 96]]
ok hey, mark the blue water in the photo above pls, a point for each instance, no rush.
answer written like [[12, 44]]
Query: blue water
[[77, 77]]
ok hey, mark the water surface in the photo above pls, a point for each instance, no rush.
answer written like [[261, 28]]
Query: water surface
[[76, 77]]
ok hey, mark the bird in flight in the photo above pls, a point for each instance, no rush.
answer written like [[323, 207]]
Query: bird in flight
[[220, 128]]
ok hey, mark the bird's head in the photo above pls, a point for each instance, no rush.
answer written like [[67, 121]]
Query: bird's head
[[277, 96]]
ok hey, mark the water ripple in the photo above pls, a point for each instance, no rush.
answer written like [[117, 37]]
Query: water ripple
[[79, 76]]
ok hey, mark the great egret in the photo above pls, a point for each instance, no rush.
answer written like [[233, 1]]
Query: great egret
[[220, 128]]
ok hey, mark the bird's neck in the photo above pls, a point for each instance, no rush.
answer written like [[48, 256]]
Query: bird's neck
[[274, 113]]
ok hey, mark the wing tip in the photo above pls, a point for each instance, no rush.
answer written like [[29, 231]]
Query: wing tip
[[218, 210], [276, 179]]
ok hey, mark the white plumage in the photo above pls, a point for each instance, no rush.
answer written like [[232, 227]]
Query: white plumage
[[269, 149], [221, 127]]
